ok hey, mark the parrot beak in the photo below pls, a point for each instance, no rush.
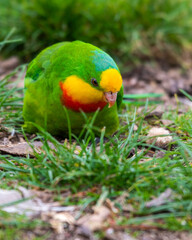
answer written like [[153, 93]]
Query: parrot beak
[[110, 97]]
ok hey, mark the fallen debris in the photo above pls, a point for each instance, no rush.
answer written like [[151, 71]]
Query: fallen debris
[[21, 149], [164, 197], [24, 148], [58, 220], [167, 122], [155, 136], [96, 220], [22, 201]]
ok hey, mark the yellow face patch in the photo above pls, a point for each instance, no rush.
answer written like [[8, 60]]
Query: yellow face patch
[[81, 91], [111, 80]]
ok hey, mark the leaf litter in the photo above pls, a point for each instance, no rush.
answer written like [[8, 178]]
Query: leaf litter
[[63, 218], [23, 201]]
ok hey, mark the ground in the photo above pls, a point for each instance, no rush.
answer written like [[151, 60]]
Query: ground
[[86, 190]]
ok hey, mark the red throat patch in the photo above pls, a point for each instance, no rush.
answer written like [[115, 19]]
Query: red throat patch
[[70, 103]]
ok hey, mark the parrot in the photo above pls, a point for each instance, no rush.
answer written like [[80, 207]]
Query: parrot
[[68, 81]]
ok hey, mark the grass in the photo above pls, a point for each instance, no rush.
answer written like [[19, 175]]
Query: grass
[[11, 101], [111, 166], [129, 30], [12, 226]]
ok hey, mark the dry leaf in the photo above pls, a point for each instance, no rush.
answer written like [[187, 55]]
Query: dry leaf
[[64, 217], [167, 122], [111, 205], [163, 198], [58, 220], [23, 148], [96, 220], [57, 226], [28, 204], [9, 196], [156, 138]]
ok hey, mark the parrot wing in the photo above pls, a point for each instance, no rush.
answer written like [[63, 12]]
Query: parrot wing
[[38, 66]]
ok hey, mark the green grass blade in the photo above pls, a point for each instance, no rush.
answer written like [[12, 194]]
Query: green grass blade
[[140, 96], [186, 94]]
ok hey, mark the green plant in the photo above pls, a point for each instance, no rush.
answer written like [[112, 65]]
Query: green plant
[[125, 29]]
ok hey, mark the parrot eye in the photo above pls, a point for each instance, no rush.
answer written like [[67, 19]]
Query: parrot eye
[[94, 82]]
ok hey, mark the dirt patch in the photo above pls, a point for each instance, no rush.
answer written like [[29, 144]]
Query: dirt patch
[[155, 78], [165, 235]]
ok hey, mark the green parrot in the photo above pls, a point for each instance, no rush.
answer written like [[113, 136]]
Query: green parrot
[[66, 79]]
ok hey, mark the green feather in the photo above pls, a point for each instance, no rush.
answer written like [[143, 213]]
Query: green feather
[[42, 101]]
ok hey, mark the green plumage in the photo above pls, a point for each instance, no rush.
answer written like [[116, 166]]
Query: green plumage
[[42, 101]]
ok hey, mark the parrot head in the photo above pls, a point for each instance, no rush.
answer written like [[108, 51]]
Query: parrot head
[[94, 80]]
